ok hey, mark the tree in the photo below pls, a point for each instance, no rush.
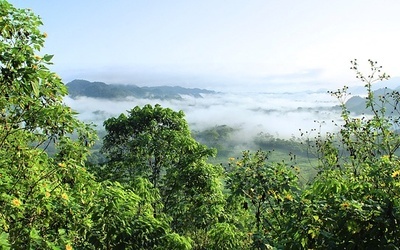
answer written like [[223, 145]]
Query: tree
[[43, 198], [124, 220], [353, 201], [147, 143], [262, 192], [155, 143], [50, 201], [218, 137]]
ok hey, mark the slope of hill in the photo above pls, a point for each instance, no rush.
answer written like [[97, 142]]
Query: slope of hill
[[78, 88], [357, 104]]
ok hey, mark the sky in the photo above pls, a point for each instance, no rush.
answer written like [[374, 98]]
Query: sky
[[267, 45]]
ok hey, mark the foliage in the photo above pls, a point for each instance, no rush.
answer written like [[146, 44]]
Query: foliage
[[147, 142], [226, 236], [155, 188], [267, 142], [42, 198], [155, 143], [124, 220], [193, 196], [353, 202], [218, 137], [266, 190]]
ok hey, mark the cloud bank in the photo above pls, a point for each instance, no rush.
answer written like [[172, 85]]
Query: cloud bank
[[281, 114]]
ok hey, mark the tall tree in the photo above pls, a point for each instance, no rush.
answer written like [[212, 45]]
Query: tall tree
[[50, 201], [42, 201], [156, 143], [149, 142]]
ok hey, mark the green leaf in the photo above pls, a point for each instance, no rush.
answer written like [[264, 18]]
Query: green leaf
[[35, 88], [4, 244], [47, 58]]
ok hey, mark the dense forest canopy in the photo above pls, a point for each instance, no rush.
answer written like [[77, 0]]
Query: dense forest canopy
[[155, 186]]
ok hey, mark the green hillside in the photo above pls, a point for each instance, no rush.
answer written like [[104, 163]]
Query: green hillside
[[383, 98], [83, 88]]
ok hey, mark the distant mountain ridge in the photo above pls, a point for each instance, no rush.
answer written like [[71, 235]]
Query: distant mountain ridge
[[86, 88], [357, 104]]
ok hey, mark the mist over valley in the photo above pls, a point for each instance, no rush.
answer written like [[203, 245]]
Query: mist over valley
[[230, 121], [248, 113]]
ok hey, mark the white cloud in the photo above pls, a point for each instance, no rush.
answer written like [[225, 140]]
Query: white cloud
[[282, 114]]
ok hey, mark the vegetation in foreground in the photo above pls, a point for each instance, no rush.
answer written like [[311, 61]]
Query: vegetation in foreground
[[156, 190]]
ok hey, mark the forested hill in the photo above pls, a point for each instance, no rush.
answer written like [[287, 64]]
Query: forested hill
[[357, 104], [115, 91]]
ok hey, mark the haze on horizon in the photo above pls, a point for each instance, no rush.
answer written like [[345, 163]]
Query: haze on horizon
[[255, 44]]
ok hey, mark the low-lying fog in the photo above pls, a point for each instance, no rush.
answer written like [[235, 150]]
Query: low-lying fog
[[279, 114]]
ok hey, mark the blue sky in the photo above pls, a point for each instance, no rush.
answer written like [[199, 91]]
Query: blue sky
[[265, 44]]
